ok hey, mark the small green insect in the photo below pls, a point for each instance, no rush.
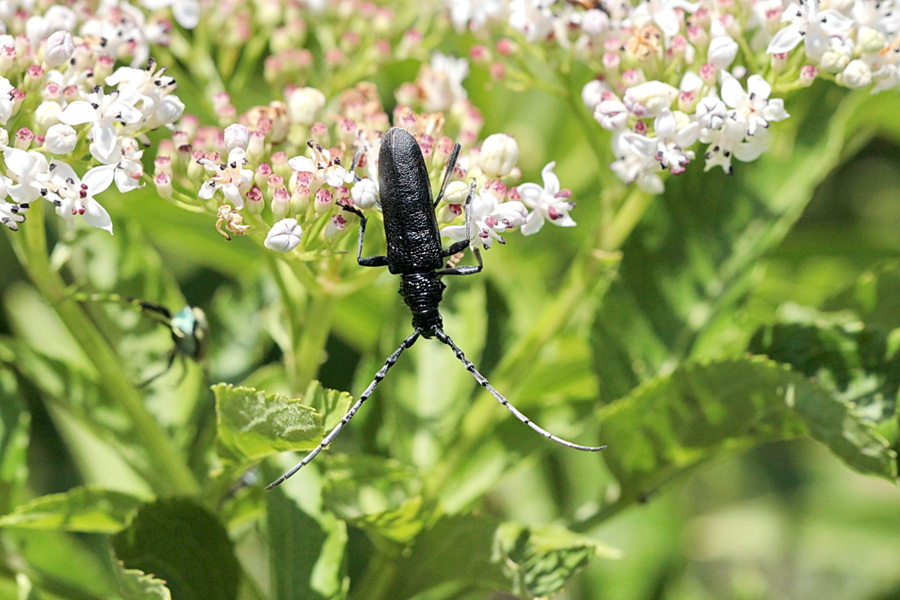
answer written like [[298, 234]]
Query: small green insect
[[189, 328]]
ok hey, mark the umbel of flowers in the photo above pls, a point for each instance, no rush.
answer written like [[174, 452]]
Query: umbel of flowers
[[73, 123], [675, 75], [290, 168]]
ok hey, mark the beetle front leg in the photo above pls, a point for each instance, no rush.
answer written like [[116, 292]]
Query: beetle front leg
[[364, 261], [463, 244]]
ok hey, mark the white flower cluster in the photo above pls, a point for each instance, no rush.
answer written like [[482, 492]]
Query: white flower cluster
[[64, 107], [672, 73]]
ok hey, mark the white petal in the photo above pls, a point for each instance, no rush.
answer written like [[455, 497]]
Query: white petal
[[531, 194], [551, 181], [668, 21], [78, 112], [665, 124], [732, 92], [207, 190], [454, 232], [105, 138], [187, 13], [834, 23], [303, 164], [99, 178], [533, 223], [785, 40], [758, 86], [96, 216]]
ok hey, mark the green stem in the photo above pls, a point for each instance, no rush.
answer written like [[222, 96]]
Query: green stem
[[170, 473], [310, 348], [378, 578]]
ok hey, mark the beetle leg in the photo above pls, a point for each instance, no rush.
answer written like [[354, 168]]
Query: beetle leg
[[169, 364], [364, 261], [408, 342], [451, 164]]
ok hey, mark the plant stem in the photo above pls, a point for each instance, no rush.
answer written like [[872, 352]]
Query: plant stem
[[170, 473], [312, 334]]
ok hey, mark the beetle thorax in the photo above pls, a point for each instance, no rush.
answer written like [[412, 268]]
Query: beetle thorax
[[422, 292]]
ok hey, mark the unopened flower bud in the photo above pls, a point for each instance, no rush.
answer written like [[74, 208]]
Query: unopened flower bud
[[808, 74], [869, 40], [305, 104], [257, 145], [324, 201], [61, 139], [163, 183], [835, 59], [456, 192], [336, 224], [364, 193], [722, 52], [46, 115], [281, 203], [58, 48], [779, 61], [595, 22], [284, 236], [499, 154], [612, 115], [592, 93], [237, 136], [255, 201], [649, 99], [299, 200], [857, 75]]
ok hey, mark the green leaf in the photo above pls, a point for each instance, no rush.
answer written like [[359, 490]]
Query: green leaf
[[137, 585], [180, 542], [873, 297], [378, 495], [253, 425], [332, 404], [702, 410], [14, 424], [855, 362], [479, 552], [540, 560], [85, 509], [307, 545]]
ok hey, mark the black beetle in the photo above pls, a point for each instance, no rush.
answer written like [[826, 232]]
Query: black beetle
[[415, 253]]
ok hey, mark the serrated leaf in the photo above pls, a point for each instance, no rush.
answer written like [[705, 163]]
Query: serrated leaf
[[702, 410], [540, 560], [378, 495], [854, 361], [253, 425], [180, 542], [137, 585], [481, 552], [307, 545], [332, 404], [85, 509]]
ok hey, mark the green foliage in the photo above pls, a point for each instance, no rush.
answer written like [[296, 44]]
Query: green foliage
[[180, 542], [86, 509], [137, 585]]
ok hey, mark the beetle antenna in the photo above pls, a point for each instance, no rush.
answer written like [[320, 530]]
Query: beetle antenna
[[408, 342], [484, 383]]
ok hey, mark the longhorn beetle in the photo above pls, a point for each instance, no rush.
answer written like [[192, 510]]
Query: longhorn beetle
[[415, 253]]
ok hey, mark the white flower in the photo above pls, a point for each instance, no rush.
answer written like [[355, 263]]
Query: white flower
[[73, 196], [30, 170], [636, 162], [284, 236], [592, 92], [322, 165], [474, 13], [532, 17], [671, 141], [7, 103], [809, 25], [103, 111], [10, 214], [230, 177], [711, 112], [725, 144], [857, 75], [489, 219], [498, 156], [664, 14], [548, 202], [61, 139], [753, 107]]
